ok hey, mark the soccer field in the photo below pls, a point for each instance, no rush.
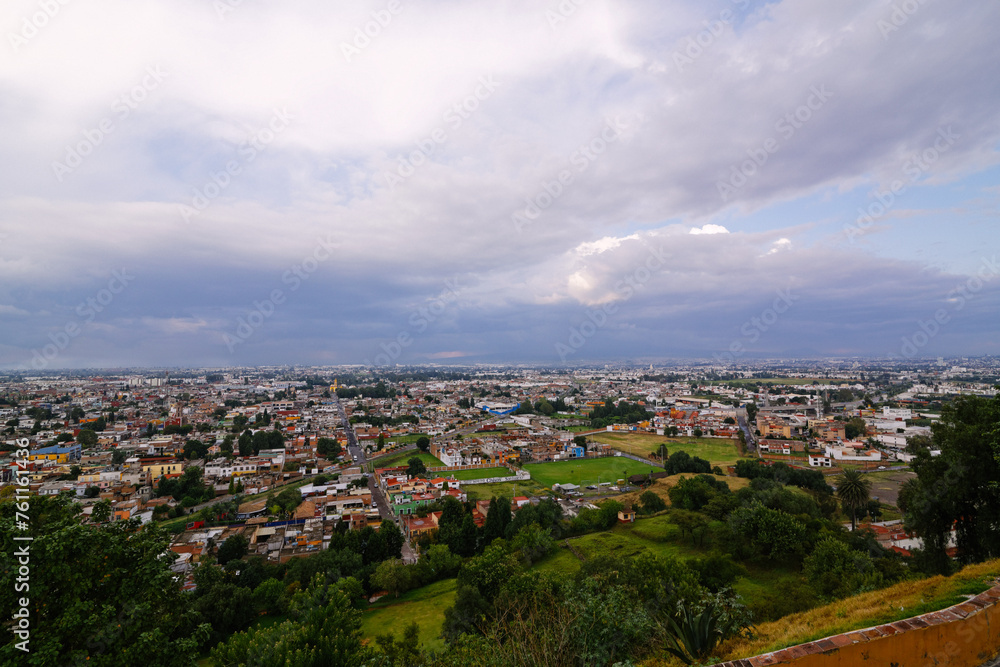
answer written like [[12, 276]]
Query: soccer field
[[478, 473], [586, 471]]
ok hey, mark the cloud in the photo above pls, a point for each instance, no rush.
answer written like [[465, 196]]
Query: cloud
[[770, 140]]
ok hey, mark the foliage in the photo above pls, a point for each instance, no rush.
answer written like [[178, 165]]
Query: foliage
[[854, 491], [958, 487], [835, 570], [622, 413], [651, 503], [415, 467], [234, 548], [681, 462], [761, 532], [102, 595], [423, 443], [329, 448], [324, 630]]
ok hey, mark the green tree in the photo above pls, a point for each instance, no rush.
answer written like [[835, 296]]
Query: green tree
[[415, 467], [835, 570], [324, 629], [105, 595], [234, 548], [101, 512], [651, 502], [86, 438], [498, 517], [423, 443], [392, 576], [854, 491], [959, 487]]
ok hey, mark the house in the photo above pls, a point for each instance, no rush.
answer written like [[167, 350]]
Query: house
[[57, 453], [626, 516]]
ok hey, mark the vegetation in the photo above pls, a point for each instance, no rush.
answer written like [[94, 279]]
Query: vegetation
[[586, 471]]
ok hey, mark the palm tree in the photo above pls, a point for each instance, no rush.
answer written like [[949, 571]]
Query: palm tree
[[854, 490]]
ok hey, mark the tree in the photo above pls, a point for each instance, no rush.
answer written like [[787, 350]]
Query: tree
[[86, 437], [415, 467], [101, 512], [105, 595], [854, 428], [423, 443], [329, 448], [391, 576], [324, 629], [751, 411], [234, 548], [195, 449], [651, 502], [580, 441], [497, 519], [854, 491], [835, 570], [958, 487]]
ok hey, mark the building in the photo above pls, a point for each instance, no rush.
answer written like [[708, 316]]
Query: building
[[69, 453]]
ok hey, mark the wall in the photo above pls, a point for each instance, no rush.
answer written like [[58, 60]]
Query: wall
[[966, 635]]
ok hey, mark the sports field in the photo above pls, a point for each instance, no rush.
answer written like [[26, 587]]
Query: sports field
[[586, 471], [718, 451]]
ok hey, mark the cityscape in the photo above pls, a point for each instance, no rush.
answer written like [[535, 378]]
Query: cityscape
[[556, 333]]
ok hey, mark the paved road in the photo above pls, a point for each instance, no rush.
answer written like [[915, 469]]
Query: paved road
[[358, 454]]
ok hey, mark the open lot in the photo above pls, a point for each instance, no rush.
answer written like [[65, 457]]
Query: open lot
[[402, 458], [481, 473], [718, 451], [586, 471], [886, 485], [508, 489], [424, 605]]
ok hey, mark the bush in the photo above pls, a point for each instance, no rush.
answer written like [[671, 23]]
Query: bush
[[651, 503]]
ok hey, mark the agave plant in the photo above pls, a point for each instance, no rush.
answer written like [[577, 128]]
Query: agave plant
[[693, 636]]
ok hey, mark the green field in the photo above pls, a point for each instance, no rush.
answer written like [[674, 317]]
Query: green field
[[718, 451], [402, 458], [508, 489], [480, 473], [424, 605], [585, 471]]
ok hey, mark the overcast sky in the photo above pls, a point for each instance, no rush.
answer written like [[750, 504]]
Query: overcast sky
[[188, 182]]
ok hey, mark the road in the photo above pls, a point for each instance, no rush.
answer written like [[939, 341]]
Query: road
[[358, 454]]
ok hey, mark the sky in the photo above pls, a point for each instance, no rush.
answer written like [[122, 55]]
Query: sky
[[243, 182]]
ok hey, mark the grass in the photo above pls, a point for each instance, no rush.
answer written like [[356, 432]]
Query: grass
[[906, 599], [720, 452], [402, 458], [509, 489], [585, 471], [481, 473], [424, 605]]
